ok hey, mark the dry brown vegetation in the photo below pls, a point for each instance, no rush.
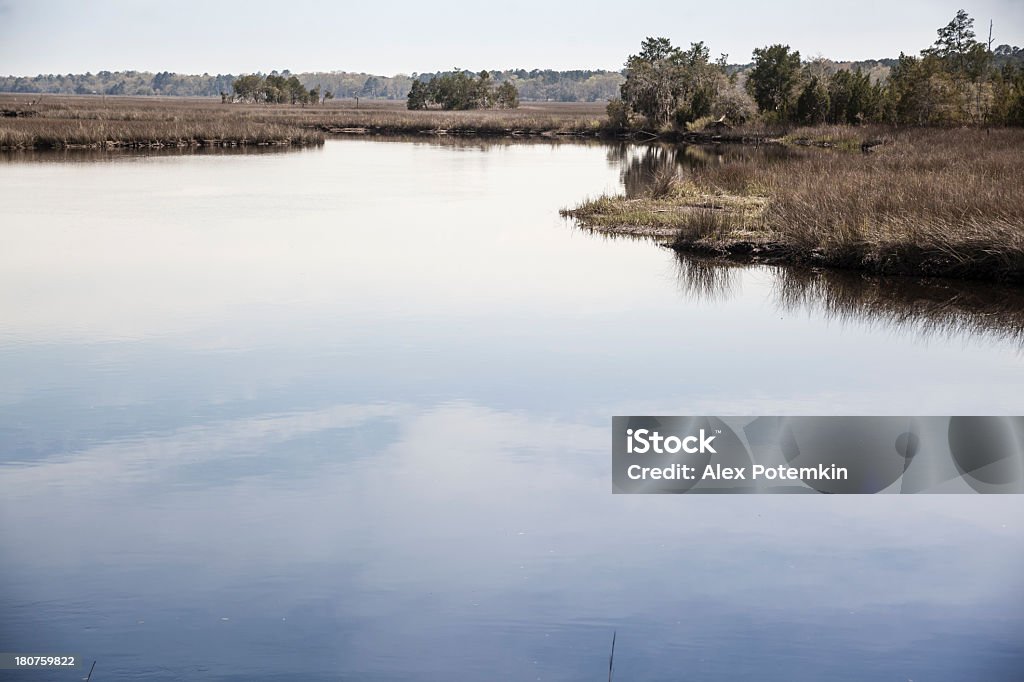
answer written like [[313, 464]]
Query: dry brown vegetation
[[547, 118], [84, 121], [94, 122], [926, 201]]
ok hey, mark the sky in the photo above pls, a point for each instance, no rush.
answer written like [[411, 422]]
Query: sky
[[404, 36]]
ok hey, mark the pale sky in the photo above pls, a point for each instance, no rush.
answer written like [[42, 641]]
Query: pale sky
[[401, 36]]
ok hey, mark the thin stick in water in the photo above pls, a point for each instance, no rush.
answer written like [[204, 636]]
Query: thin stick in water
[[611, 659]]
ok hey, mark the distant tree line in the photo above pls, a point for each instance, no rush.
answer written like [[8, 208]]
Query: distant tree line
[[535, 85], [957, 80], [136, 83], [462, 90]]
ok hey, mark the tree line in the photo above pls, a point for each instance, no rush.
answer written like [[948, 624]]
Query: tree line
[[544, 85], [957, 80], [462, 90]]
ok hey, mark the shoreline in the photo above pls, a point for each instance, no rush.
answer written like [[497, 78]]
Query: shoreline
[[53, 142], [96, 122], [599, 133], [745, 249], [748, 249], [748, 252], [140, 144]]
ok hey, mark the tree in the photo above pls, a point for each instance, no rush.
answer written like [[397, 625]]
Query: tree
[[455, 91], [1008, 96], [774, 78], [481, 91], [955, 43], [370, 87], [701, 82], [275, 89], [963, 58], [652, 80], [920, 91], [618, 113], [248, 88], [461, 90], [296, 92], [418, 96], [664, 83], [735, 104], [506, 96], [852, 98], [812, 106]]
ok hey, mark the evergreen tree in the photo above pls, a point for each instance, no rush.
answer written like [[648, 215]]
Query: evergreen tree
[[774, 78]]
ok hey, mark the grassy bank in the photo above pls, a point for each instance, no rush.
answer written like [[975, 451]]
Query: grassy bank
[[43, 122], [94, 122], [926, 202], [530, 119]]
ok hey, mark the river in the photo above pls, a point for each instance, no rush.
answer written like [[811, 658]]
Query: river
[[344, 413]]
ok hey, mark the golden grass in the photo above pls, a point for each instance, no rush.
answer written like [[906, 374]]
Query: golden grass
[[93, 122], [930, 202]]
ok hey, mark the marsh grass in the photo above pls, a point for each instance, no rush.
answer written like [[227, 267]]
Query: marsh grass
[[66, 121], [43, 133], [93, 122], [585, 120], [674, 206], [662, 183], [930, 202]]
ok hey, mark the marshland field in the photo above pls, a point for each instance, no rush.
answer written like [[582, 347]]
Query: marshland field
[[58, 122]]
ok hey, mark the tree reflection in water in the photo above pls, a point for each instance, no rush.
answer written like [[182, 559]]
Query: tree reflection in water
[[926, 307]]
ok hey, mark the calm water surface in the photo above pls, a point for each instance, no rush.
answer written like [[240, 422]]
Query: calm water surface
[[344, 414]]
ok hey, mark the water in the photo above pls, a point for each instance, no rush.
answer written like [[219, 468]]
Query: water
[[344, 414]]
